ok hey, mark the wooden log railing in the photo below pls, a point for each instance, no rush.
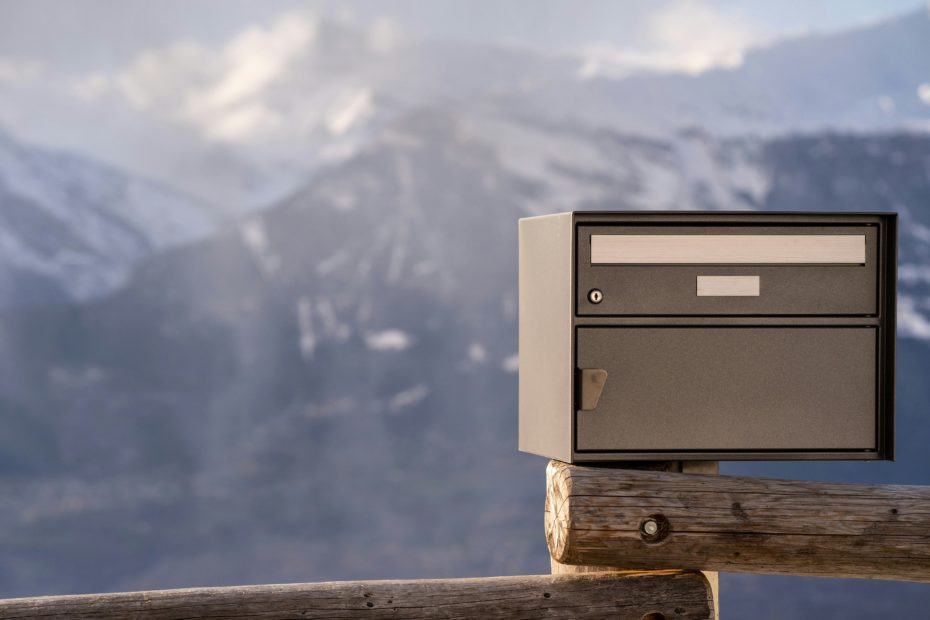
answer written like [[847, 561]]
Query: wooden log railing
[[619, 596], [662, 523], [603, 516], [689, 467]]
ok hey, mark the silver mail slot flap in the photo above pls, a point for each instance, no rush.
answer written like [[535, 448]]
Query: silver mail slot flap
[[732, 249]]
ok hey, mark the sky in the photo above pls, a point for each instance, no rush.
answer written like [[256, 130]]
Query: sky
[[83, 35], [200, 84]]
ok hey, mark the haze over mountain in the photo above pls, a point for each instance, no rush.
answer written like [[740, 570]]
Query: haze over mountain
[[242, 123], [304, 392], [872, 78], [72, 229]]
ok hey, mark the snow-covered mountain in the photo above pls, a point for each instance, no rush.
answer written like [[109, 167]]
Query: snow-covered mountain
[[244, 122], [328, 90], [876, 77], [72, 229], [270, 379], [354, 345]]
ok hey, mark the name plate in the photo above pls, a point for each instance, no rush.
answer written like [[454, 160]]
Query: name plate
[[728, 286]]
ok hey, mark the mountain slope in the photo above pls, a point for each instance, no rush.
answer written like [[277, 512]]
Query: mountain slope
[[874, 77], [242, 122], [316, 383], [205, 119], [73, 229]]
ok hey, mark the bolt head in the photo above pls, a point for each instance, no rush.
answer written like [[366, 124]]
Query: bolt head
[[650, 527]]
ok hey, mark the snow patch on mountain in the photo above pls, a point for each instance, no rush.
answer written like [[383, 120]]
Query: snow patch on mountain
[[307, 338], [576, 167], [83, 225], [912, 323], [914, 274], [388, 340], [255, 237], [407, 398]]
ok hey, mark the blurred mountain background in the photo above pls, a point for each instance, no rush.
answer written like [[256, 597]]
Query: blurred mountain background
[[258, 264]]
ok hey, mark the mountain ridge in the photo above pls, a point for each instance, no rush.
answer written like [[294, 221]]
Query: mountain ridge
[[368, 321], [72, 229]]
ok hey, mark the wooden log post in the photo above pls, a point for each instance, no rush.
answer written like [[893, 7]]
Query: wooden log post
[[690, 467], [647, 519], [630, 596]]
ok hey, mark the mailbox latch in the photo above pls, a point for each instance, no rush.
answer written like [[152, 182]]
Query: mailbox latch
[[591, 384]]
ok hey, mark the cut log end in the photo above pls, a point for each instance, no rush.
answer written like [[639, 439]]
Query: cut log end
[[558, 490]]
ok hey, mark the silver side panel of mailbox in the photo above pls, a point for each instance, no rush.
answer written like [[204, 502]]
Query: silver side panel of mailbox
[[546, 294]]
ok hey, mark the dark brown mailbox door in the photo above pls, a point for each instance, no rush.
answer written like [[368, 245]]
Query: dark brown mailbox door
[[728, 388]]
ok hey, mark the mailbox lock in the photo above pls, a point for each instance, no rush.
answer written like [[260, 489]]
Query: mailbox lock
[[595, 296]]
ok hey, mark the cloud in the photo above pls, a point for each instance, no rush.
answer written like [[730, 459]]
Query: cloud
[[221, 90], [19, 70], [923, 93], [886, 104], [235, 120], [685, 35], [234, 92], [385, 35], [159, 80], [231, 106], [91, 88], [349, 111]]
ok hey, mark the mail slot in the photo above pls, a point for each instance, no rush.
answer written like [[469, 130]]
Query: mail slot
[[671, 336], [826, 270]]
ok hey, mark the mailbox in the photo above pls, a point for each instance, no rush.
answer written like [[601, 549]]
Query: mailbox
[[673, 336]]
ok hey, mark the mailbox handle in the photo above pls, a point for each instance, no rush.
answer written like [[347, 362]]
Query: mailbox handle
[[590, 385]]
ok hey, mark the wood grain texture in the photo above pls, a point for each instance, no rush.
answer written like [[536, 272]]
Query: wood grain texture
[[726, 523], [631, 595], [695, 467]]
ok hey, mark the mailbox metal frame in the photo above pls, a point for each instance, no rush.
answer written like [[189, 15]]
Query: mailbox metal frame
[[547, 244]]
